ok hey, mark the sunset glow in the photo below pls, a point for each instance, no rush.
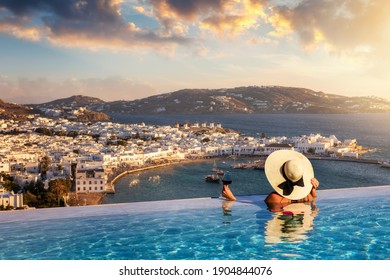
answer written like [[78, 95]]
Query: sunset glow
[[54, 49]]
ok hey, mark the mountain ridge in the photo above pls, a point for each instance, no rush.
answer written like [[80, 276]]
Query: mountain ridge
[[245, 99], [254, 99], [79, 100]]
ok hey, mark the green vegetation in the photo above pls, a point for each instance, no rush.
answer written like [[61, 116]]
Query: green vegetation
[[60, 187], [51, 132], [9, 184], [35, 195]]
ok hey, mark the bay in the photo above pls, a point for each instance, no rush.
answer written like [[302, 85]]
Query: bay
[[187, 180]]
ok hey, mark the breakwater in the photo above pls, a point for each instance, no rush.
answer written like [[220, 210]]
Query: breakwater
[[369, 161], [110, 188], [139, 170]]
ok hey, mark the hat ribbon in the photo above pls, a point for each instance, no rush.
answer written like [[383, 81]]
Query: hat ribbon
[[288, 185]]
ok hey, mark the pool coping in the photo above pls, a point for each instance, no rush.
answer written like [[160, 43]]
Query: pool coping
[[170, 205]]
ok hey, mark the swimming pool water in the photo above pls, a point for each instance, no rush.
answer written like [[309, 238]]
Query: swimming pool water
[[351, 224]]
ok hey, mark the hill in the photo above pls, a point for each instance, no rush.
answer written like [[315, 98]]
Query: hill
[[249, 100], [14, 111], [76, 107], [73, 101]]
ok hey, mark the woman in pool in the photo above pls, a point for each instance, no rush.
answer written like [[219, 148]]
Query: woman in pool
[[274, 197], [290, 174]]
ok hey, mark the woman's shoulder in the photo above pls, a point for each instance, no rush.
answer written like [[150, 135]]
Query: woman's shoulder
[[273, 198]]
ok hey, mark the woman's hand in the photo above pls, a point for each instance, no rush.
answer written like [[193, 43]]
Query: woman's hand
[[314, 183]]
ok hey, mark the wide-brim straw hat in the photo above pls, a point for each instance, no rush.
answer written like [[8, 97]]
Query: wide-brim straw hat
[[289, 173]]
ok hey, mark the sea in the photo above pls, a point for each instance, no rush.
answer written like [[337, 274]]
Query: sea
[[187, 180]]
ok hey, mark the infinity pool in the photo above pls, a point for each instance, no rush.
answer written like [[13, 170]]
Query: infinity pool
[[346, 224]]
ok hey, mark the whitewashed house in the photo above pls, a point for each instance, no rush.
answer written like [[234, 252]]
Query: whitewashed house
[[90, 177], [317, 148], [268, 149], [32, 167], [259, 150], [338, 151], [10, 199], [5, 167], [210, 151], [226, 150]]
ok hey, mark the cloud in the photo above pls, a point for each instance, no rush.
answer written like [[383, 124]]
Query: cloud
[[19, 29], [355, 28], [92, 24], [344, 24], [229, 17], [33, 91]]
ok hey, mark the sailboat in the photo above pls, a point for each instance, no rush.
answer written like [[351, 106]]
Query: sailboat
[[216, 170], [214, 176]]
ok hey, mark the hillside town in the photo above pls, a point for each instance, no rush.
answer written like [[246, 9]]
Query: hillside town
[[71, 159]]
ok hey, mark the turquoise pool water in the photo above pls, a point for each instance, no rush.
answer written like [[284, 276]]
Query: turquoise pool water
[[346, 224]]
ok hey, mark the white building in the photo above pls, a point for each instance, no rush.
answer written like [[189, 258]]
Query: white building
[[90, 177], [193, 151], [338, 151], [32, 167], [244, 150], [225, 150], [210, 151], [317, 148], [268, 149], [10, 200], [5, 167]]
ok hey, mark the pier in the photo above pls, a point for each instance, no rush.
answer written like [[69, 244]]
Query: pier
[[369, 161]]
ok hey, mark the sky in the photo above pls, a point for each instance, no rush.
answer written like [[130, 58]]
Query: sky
[[130, 49]]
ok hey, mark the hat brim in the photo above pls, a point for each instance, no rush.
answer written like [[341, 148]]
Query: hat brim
[[273, 172]]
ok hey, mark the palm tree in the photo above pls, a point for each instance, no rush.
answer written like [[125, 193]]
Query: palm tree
[[59, 187], [44, 166]]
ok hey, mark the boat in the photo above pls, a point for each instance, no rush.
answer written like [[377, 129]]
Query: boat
[[216, 170], [220, 172], [259, 164], [385, 164], [214, 176], [242, 165]]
